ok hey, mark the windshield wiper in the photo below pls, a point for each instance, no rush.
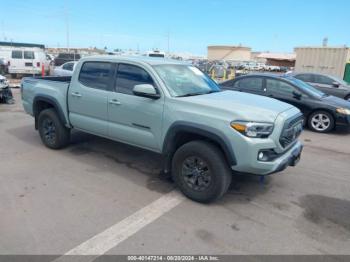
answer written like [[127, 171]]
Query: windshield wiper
[[198, 94]]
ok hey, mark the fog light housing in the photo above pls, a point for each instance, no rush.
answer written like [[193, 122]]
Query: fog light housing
[[267, 155], [261, 156]]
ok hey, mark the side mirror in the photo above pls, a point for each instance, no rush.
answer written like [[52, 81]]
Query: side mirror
[[146, 90], [297, 95], [335, 84]]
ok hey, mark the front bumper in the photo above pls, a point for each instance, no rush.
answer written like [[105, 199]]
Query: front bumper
[[292, 160], [253, 166], [342, 120]]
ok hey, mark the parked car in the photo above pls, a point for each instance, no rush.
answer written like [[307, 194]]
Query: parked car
[[5, 91], [273, 68], [261, 66], [173, 109], [66, 57], [65, 70], [322, 112], [326, 83]]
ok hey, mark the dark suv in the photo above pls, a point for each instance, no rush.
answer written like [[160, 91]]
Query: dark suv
[[66, 57], [322, 112]]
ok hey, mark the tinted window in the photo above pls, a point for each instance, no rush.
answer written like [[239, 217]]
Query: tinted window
[[185, 80], [17, 54], [28, 55], [128, 76], [228, 83], [305, 77], [320, 79], [68, 66], [250, 83], [279, 87], [96, 74]]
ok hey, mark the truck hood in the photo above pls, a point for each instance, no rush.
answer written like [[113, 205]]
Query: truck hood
[[244, 106]]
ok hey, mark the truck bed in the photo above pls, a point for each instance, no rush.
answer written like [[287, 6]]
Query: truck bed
[[53, 78], [49, 87]]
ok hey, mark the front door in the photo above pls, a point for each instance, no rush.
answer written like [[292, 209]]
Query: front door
[[132, 119], [88, 97], [286, 92]]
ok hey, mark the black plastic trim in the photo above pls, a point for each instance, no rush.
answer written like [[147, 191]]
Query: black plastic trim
[[197, 129], [53, 102]]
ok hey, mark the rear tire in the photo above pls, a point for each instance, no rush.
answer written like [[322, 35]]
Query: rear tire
[[52, 132], [347, 98], [321, 122], [201, 172]]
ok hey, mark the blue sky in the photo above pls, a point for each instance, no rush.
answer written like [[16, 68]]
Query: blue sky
[[191, 24]]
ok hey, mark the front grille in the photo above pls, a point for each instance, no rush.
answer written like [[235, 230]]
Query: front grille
[[291, 130]]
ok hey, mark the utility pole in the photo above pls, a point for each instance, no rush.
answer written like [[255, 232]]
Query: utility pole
[[3, 30], [67, 25], [168, 36]]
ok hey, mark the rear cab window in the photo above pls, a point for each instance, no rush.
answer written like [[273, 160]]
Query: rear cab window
[[130, 75], [16, 54], [68, 66], [96, 75]]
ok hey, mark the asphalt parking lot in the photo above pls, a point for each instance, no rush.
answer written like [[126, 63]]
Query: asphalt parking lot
[[52, 202]]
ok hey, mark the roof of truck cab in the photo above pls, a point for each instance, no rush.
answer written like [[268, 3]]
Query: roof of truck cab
[[142, 59]]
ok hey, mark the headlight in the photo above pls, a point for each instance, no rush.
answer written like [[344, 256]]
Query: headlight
[[253, 129], [343, 111]]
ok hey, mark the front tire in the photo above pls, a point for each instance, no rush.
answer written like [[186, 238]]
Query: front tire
[[201, 172], [52, 132], [321, 122]]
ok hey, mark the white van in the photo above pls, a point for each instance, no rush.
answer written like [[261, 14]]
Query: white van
[[24, 58]]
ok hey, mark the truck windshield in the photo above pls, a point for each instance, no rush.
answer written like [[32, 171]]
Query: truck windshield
[[185, 80]]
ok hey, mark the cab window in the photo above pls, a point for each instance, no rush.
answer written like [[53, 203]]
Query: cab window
[[96, 75], [128, 76]]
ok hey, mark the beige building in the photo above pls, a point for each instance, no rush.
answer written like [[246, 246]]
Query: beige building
[[324, 60], [225, 52]]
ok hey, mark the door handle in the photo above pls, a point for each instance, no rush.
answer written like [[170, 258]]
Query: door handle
[[114, 102], [76, 94]]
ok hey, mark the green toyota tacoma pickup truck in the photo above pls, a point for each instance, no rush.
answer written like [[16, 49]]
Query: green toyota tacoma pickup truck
[[205, 135]]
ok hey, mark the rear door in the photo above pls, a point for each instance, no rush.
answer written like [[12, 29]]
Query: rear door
[[30, 63], [16, 62], [253, 85], [88, 97], [133, 119]]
